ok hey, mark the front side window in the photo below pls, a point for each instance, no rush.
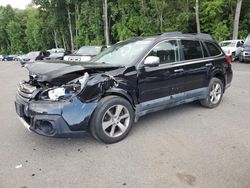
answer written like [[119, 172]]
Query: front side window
[[213, 50], [191, 49], [167, 51]]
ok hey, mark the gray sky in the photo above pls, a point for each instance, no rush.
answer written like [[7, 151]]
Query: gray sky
[[15, 3]]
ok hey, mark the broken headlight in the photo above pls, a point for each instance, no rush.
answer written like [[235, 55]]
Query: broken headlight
[[66, 91]]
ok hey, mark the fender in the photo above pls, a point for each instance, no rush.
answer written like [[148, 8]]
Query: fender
[[103, 85], [122, 93], [216, 70], [220, 73]]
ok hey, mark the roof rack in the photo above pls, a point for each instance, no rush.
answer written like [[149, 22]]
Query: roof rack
[[171, 34], [202, 36], [135, 37]]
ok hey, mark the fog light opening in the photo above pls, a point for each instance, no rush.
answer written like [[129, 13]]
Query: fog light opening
[[45, 127]]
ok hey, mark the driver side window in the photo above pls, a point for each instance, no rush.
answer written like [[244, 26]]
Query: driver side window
[[167, 51]]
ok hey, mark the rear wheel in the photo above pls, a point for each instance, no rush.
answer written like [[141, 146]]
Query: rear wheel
[[112, 119], [214, 95]]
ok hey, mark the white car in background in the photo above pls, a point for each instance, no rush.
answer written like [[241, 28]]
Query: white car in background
[[232, 48], [84, 54]]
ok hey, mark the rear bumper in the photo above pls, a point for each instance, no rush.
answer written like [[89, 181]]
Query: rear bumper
[[228, 76], [55, 119]]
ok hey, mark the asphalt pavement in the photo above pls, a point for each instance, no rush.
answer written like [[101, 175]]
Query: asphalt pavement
[[185, 146]]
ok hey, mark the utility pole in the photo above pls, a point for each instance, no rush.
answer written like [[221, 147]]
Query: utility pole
[[70, 30], [197, 16], [106, 26], [237, 19]]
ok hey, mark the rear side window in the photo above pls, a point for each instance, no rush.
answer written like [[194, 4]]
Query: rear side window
[[191, 49], [167, 51], [213, 50]]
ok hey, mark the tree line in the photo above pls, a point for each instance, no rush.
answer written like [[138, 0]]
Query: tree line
[[71, 24]]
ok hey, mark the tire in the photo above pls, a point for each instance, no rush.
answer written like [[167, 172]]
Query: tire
[[214, 95], [112, 119]]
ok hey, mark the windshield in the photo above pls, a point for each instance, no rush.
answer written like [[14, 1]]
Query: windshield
[[124, 53], [247, 41], [33, 54], [227, 44], [89, 50]]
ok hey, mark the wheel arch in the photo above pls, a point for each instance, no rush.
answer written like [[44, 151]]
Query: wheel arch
[[120, 93], [221, 77]]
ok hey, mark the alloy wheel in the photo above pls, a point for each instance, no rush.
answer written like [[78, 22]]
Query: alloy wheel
[[116, 121], [215, 93]]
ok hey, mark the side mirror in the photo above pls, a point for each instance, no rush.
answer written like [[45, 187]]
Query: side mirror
[[152, 61]]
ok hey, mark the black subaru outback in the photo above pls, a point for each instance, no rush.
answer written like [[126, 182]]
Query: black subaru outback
[[124, 82]]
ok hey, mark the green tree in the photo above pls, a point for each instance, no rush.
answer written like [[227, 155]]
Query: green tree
[[74, 23], [7, 14], [16, 37]]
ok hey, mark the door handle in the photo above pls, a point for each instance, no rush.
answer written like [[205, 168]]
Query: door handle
[[178, 70], [209, 64]]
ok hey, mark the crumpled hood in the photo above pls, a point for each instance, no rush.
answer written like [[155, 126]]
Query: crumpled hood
[[59, 73]]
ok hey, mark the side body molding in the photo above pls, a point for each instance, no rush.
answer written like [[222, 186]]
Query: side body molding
[[170, 101]]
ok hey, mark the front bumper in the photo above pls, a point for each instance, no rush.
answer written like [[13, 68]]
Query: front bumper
[[55, 118], [244, 56]]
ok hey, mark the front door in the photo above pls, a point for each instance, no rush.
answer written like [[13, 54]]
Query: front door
[[164, 80]]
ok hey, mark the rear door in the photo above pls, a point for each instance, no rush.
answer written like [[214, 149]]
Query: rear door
[[195, 64]]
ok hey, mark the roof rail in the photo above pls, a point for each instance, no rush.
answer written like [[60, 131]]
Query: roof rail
[[170, 34], [135, 37], [202, 36]]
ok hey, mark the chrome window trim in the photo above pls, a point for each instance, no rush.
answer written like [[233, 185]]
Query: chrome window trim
[[189, 62]]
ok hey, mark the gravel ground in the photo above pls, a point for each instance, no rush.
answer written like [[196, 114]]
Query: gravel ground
[[186, 146]]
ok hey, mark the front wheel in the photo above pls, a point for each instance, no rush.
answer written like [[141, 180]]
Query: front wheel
[[112, 119], [214, 95]]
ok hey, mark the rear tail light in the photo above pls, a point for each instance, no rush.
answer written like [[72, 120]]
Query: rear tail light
[[228, 59]]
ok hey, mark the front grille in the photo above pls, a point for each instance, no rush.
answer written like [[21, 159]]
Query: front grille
[[246, 53], [25, 91]]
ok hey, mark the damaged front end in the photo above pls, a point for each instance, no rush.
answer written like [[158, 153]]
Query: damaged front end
[[61, 106]]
